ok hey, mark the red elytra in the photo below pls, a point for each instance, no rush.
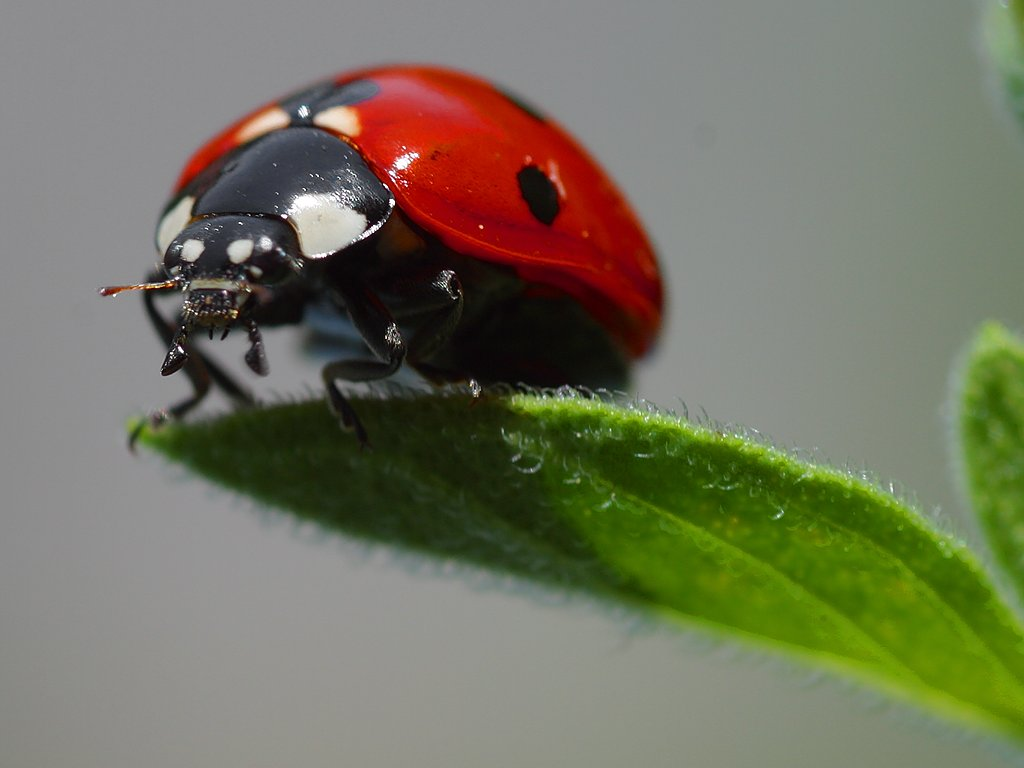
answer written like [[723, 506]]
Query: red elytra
[[449, 146]]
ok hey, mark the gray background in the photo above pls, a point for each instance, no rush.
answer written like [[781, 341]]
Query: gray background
[[837, 206]]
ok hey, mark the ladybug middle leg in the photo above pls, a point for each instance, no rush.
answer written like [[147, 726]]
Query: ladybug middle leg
[[379, 330], [440, 309], [434, 305]]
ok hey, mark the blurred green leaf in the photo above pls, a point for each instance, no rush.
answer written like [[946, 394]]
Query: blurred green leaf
[[1004, 38], [992, 442], [634, 506]]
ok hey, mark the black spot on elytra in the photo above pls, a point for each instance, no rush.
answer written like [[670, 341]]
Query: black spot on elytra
[[350, 93], [302, 106], [539, 193], [523, 104]]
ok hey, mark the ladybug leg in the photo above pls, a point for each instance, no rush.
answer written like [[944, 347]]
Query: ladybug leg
[[443, 304], [380, 332], [438, 313], [200, 370]]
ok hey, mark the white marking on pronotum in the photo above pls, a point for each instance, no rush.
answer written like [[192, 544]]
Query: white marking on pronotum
[[173, 222], [324, 224], [192, 249], [270, 119], [343, 120], [240, 250]]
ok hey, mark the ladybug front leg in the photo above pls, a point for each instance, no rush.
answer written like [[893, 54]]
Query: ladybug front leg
[[380, 332], [199, 369]]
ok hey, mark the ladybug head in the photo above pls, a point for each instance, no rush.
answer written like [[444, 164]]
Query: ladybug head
[[221, 260], [221, 263]]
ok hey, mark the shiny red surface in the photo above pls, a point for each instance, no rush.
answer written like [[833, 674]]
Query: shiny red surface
[[449, 146]]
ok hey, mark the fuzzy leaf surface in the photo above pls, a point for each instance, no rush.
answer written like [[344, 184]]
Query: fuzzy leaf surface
[[627, 505]]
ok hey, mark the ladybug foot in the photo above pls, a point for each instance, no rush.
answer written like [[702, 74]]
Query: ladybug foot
[[348, 420], [155, 420]]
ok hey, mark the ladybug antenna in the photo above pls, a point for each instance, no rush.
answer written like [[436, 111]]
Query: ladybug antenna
[[113, 290]]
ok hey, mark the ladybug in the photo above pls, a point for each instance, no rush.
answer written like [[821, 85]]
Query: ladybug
[[457, 228]]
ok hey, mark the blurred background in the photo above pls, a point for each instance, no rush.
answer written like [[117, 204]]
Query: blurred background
[[837, 204]]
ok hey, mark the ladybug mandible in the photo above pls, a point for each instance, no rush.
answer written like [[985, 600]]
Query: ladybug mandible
[[458, 229]]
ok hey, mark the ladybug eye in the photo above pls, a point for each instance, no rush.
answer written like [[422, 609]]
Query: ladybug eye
[[182, 253], [258, 256], [265, 261]]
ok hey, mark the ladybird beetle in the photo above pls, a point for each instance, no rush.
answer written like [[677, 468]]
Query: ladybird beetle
[[457, 228]]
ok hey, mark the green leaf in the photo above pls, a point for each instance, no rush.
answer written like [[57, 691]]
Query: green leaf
[[992, 441], [628, 505], [1004, 37]]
